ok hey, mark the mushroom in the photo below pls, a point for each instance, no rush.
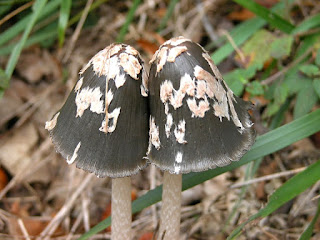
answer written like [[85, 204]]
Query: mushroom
[[103, 125], [196, 122]]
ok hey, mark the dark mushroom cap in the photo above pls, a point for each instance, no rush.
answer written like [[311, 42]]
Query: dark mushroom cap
[[115, 147], [196, 122]]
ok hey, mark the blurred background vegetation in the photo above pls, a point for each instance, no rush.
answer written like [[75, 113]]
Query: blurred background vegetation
[[268, 52]]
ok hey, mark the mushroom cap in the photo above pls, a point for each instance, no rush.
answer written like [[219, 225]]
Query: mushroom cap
[[196, 122], [107, 139]]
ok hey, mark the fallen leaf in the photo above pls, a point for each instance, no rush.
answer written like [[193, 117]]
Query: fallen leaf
[[35, 64], [3, 179], [146, 236], [241, 15]]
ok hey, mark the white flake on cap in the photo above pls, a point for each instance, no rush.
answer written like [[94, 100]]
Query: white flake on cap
[[187, 85], [213, 67], [51, 124], [78, 85], [114, 115], [168, 125], [201, 89], [162, 58], [130, 65], [144, 85], [198, 110], [154, 134], [120, 80], [179, 157], [132, 51], [176, 41], [175, 97], [112, 66], [74, 155], [224, 97], [179, 132], [234, 114], [175, 52], [89, 97]]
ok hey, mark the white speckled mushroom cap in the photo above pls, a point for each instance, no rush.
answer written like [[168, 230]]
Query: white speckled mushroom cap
[[196, 122], [103, 125]]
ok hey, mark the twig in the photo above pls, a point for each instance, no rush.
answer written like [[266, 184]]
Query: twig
[[86, 218], [75, 226], [76, 33], [23, 108], [206, 24], [315, 198], [15, 12], [55, 222], [275, 76], [267, 177], [234, 45], [307, 198], [23, 229]]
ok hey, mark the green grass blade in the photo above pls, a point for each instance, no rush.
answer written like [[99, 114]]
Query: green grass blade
[[168, 14], [63, 19], [239, 35], [243, 32], [292, 188], [272, 18], [306, 235], [37, 9], [307, 24], [22, 24], [76, 18], [129, 19], [265, 144]]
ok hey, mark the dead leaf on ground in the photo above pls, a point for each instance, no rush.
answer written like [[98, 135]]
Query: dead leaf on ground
[[35, 64]]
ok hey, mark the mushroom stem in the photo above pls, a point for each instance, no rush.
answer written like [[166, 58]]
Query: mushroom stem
[[171, 206], [121, 214]]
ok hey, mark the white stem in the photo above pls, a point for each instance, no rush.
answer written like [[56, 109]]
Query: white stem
[[171, 206], [121, 215]]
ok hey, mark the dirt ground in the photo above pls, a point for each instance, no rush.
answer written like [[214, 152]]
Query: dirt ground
[[41, 195]]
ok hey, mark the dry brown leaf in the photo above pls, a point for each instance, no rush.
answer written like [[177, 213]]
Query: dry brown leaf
[[15, 148], [35, 64], [3, 179], [241, 15]]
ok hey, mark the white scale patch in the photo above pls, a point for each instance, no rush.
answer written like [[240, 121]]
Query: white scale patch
[[175, 97], [89, 97], [177, 41], [179, 132], [154, 134], [225, 99], [114, 115], [74, 155], [168, 125], [130, 65], [167, 54], [120, 80], [198, 110], [144, 85], [51, 124], [178, 160], [78, 85]]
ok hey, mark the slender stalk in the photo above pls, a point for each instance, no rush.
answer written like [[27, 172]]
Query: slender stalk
[[171, 206], [121, 209]]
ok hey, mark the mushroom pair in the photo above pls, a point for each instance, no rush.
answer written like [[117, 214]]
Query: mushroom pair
[[195, 123]]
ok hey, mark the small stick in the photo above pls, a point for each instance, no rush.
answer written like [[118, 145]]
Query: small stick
[[171, 206], [23, 229], [121, 215], [268, 177]]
